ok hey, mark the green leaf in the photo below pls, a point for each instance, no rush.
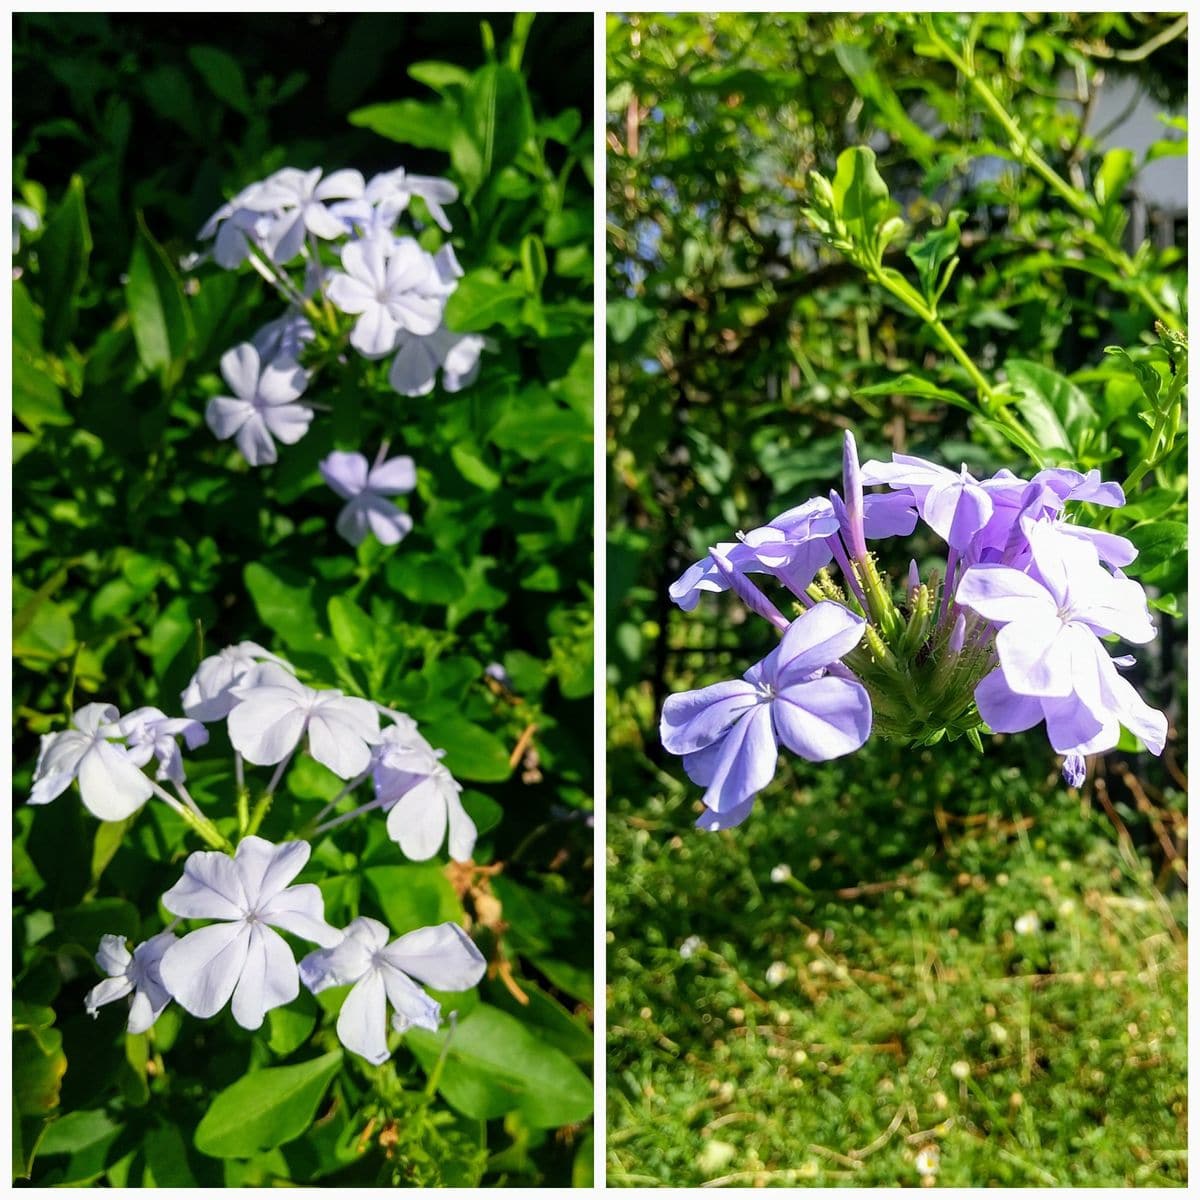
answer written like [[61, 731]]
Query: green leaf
[[355, 632], [413, 896], [495, 123], [1157, 542], [473, 469], [483, 299], [63, 254], [495, 1065], [1057, 413], [914, 385], [440, 76], [284, 599], [288, 1027], [1113, 175], [933, 251], [858, 64], [158, 312], [38, 1066], [426, 126], [224, 77], [266, 1108], [37, 399], [861, 196], [471, 751]]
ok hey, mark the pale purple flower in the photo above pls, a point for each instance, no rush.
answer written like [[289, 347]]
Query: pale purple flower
[[111, 782], [275, 710], [392, 192], [369, 511], [149, 732], [383, 973], [263, 407], [242, 956], [300, 198], [209, 695], [418, 360], [1086, 721], [799, 695], [242, 223], [1049, 624], [419, 794], [137, 973], [390, 289], [284, 338], [953, 504], [419, 817], [793, 547], [1086, 489]]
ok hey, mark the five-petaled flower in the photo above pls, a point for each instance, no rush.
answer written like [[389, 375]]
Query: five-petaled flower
[[241, 956], [729, 733], [367, 490], [263, 405], [137, 973], [111, 782], [382, 972], [275, 710]]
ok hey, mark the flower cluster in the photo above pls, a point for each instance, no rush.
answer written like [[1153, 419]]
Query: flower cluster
[[330, 245], [240, 957], [269, 714], [1009, 635]]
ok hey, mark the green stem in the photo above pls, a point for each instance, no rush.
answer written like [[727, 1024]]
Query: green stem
[[1079, 201], [199, 824], [993, 403], [1148, 464]]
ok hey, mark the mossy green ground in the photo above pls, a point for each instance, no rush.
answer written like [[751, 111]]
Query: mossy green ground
[[974, 977]]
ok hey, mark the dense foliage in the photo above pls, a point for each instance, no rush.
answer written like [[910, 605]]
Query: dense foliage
[[911, 227], [142, 544]]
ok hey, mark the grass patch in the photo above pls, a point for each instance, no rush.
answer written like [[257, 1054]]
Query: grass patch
[[970, 978]]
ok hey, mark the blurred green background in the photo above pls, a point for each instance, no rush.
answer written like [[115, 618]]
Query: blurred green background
[[907, 966]]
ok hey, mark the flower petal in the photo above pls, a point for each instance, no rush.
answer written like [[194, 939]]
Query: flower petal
[[288, 422], [824, 718], [105, 992], [412, 1005], [1036, 657], [255, 443], [344, 472], [394, 477], [211, 886], [362, 1023], [817, 638], [267, 725], [269, 977], [112, 787], [417, 821], [240, 367], [266, 869], [301, 910], [225, 416], [745, 763], [440, 956], [693, 720], [1002, 594], [281, 382], [202, 969], [1002, 708]]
